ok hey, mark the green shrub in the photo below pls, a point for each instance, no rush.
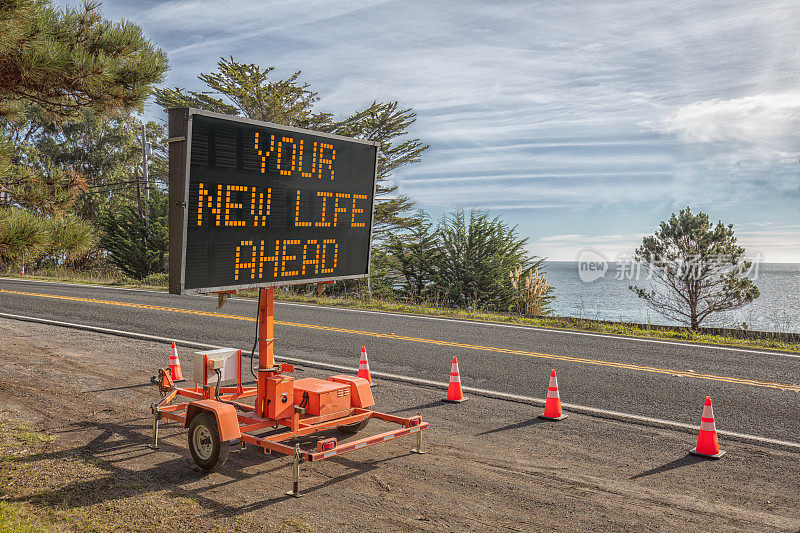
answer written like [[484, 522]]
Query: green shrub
[[136, 247]]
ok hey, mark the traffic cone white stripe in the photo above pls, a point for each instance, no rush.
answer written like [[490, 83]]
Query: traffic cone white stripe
[[552, 407], [707, 443], [363, 366], [455, 376], [454, 392], [707, 426], [707, 420], [175, 364]]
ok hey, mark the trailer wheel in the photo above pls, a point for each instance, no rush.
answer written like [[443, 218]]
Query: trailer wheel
[[204, 444], [353, 428]]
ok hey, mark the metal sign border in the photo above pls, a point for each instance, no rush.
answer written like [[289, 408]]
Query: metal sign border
[[185, 222]]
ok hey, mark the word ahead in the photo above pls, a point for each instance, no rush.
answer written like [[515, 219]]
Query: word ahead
[[258, 204], [283, 256]]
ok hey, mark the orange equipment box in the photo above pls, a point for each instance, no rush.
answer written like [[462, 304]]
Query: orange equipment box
[[360, 393], [279, 397], [323, 396]]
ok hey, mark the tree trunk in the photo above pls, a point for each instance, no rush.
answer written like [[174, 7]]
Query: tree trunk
[[694, 323]]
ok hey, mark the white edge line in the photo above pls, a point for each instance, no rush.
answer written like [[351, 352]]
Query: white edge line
[[445, 319], [582, 409]]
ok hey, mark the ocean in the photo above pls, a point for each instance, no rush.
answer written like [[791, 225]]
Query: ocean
[[608, 297]]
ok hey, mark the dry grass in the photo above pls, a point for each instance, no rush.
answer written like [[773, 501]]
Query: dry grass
[[43, 488]]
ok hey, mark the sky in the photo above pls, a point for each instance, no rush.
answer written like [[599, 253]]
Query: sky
[[584, 124]]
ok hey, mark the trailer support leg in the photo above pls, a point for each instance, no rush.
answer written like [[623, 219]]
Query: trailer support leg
[[156, 417], [295, 492], [418, 449]]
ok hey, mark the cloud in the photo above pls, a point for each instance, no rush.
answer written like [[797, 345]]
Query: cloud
[[769, 123], [774, 245], [740, 149], [589, 118]]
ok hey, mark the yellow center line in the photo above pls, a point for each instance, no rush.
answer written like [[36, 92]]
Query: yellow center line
[[581, 360]]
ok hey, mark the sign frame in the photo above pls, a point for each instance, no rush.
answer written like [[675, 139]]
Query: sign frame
[[180, 145]]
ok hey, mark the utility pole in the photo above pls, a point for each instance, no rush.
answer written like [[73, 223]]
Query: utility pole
[[145, 153], [139, 193]]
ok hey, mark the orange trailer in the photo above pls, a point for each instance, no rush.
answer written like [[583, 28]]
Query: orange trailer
[[283, 410]]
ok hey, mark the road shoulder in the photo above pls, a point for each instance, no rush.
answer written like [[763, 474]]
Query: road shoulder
[[491, 462]]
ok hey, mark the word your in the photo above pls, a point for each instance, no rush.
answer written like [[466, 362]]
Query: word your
[[285, 258], [289, 157]]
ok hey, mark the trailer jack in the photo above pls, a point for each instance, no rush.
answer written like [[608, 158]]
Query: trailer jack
[[295, 492]]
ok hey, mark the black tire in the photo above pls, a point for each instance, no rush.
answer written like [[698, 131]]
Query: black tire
[[353, 428], [204, 444]]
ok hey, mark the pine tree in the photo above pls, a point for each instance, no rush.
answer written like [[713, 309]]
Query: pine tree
[[27, 237], [105, 152], [57, 63], [22, 235], [69, 60], [416, 255], [137, 246], [697, 269], [247, 90], [385, 123]]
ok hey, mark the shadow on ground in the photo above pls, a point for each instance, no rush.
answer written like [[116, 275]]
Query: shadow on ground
[[518, 425], [122, 443], [686, 460]]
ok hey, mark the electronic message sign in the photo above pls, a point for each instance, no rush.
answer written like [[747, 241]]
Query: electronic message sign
[[256, 204]]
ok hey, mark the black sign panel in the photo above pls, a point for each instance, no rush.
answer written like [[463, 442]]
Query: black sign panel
[[259, 204]]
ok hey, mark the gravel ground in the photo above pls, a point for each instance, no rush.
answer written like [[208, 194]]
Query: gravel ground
[[491, 464]]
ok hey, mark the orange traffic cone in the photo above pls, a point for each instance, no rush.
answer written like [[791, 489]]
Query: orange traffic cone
[[552, 406], [363, 366], [175, 365], [454, 392], [707, 444]]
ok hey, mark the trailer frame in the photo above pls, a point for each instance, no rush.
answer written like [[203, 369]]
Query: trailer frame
[[238, 421]]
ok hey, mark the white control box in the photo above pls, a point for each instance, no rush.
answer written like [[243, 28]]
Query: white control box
[[226, 360]]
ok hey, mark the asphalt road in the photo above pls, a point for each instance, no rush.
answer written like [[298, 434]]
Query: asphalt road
[[754, 392]]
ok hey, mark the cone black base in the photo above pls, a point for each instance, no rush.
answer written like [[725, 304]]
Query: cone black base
[[562, 417], [454, 401], [694, 452]]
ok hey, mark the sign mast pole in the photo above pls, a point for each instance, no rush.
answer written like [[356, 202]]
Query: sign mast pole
[[266, 342], [266, 357]]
